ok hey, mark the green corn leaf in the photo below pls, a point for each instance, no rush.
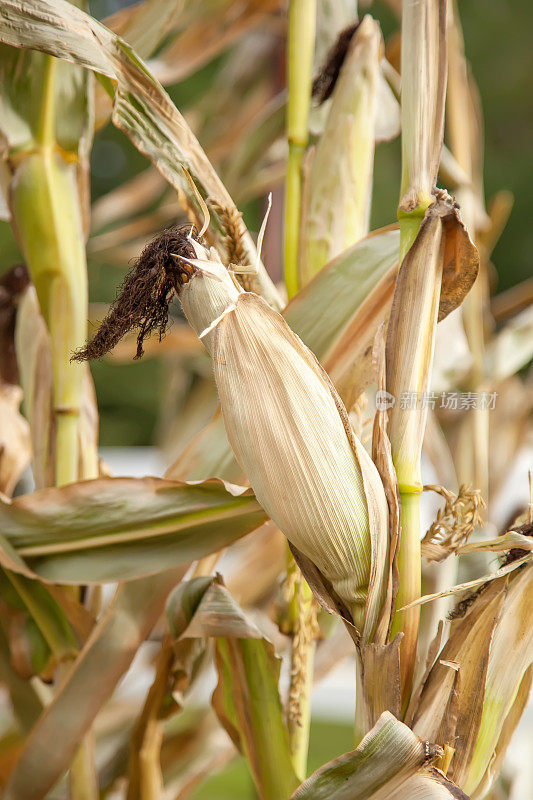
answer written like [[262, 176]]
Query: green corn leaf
[[246, 699], [120, 528]]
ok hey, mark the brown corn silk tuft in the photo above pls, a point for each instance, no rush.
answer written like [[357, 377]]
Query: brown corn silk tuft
[[145, 295], [324, 83]]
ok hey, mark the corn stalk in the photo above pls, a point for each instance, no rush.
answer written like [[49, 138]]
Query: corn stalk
[[301, 42], [47, 192], [411, 332]]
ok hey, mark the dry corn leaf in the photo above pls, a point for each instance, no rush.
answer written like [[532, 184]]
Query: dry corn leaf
[[128, 199], [444, 247], [121, 528], [207, 455], [512, 347], [511, 656], [462, 587], [108, 654], [508, 728], [248, 705], [509, 541], [510, 424], [378, 682], [208, 33], [382, 457], [338, 313], [386, 758], [26, 702], [145, 25], [451, 703], [142, 109], [203, 608]]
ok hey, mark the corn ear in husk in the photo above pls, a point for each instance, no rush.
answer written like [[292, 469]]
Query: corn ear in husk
[[291, 435], [340, 182]]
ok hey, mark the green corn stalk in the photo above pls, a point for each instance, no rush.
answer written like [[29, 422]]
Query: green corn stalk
[[48, 222], [47, 124], [423, 93], [301, 41]]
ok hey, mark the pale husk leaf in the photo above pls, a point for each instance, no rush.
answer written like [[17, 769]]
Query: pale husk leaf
[[429, 784]]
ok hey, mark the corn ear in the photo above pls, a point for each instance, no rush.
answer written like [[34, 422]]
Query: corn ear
[[340, 183], [291, 435]]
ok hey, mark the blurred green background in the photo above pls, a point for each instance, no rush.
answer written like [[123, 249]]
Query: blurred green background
[[498, 44]]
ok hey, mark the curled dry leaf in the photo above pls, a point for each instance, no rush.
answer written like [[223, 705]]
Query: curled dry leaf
[[382, 457], [478, 677], [443, 243], [388, 755]]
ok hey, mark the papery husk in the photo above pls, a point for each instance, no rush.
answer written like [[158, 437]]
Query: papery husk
[[340, 181], [336, 507], [290, 434]]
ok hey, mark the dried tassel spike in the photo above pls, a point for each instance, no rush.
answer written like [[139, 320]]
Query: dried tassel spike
[[455, 522]]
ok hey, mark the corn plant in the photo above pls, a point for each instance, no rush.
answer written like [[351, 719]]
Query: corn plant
[[287, 530]]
